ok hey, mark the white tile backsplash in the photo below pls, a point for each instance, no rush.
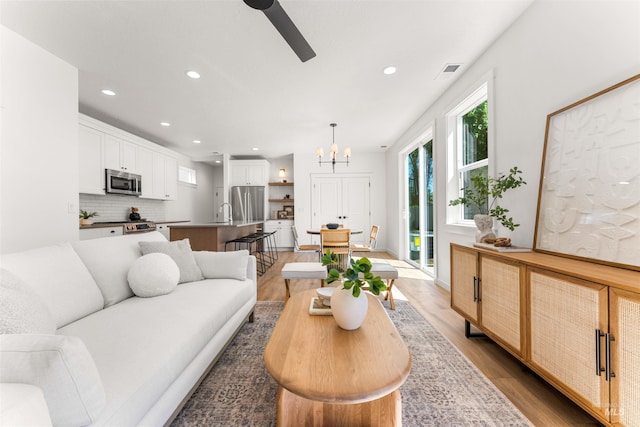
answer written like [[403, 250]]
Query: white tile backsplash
[[112, 207]]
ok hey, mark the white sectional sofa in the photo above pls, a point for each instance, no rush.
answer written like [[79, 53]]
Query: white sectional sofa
[[102, 356]]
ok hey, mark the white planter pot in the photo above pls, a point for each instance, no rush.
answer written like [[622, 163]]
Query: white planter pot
[[348, 311], [86, 221], [484, 224]]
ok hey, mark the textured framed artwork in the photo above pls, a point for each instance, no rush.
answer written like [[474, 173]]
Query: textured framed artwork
[[589, 199]]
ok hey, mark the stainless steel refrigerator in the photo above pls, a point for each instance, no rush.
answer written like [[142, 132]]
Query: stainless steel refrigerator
[[248, 203]]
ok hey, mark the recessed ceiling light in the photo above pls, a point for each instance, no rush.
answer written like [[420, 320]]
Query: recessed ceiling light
[[218, 161], [196, 141], [108, 92], [389, 70], [165, 124], [255, 148], [193, 74]]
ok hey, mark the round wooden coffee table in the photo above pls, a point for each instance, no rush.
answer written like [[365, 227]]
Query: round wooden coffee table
[[332, 377]]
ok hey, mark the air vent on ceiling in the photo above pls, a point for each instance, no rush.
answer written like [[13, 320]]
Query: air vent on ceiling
[[451, 68], [447, 71]]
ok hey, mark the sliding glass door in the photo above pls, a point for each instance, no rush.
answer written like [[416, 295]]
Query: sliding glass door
[[419, 197]]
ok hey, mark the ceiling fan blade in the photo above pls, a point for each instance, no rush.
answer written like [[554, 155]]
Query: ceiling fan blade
[[287, 29]]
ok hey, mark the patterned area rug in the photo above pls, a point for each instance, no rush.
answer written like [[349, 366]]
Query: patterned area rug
[[443, 388]]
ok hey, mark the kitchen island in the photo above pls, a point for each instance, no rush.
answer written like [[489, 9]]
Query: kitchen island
[[211, 236]]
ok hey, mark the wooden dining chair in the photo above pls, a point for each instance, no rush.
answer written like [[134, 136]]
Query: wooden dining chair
[[367, 247], [337, 241]]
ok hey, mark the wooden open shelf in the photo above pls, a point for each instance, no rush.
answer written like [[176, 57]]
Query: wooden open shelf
[[281, 200], [281, 184]]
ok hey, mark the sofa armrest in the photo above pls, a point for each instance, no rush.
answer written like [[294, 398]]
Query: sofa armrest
[[59, 365], [252, 271], [23, 405]]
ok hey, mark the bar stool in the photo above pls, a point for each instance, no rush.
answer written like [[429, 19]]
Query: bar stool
[[267, 245]]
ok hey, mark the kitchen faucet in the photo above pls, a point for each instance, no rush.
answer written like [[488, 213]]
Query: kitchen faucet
[[230, 211]]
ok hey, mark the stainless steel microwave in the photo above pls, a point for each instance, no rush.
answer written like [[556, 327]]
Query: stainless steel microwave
[[118, 182]]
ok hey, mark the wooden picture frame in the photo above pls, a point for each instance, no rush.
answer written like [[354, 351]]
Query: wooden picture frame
[[589, 198], [282, 214], [289, 210]]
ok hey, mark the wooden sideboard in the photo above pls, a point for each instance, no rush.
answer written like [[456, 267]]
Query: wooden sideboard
[[575, 323]]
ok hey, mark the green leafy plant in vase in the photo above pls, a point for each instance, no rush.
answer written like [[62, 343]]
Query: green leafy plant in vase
[[349, 304], [483, 194], [85, 217]]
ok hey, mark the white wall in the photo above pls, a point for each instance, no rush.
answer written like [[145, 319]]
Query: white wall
[[194, 203], [556, 53], [276, 163], [39, 146], [306, 163]]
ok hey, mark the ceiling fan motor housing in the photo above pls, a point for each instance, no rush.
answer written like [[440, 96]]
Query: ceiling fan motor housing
[[259, 4]]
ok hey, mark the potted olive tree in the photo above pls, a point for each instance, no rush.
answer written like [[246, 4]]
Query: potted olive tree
[[349, 304], [483, 194]]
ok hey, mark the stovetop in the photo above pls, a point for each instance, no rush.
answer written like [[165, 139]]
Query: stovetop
[[133, 226]]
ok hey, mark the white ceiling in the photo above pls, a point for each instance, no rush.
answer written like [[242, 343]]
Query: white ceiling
[[254, 91]]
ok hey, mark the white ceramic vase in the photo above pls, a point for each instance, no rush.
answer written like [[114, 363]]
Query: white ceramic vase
[[348, 311], [484, 224]]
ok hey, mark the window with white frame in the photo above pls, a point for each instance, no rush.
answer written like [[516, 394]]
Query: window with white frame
[[468, 128], [187, 175]]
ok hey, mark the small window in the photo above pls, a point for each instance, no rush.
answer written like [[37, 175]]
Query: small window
[[468, 126], [187, 175]]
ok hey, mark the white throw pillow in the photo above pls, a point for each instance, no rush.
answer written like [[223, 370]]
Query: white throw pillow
[[22, 311], [180, 251], [62, 367], [223, 265], [153, 274]]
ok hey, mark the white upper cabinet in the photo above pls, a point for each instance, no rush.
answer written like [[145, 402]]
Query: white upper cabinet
[[249, 172], [119, 154], [103, 147], [144, 163], [91, 169], [165, 177]]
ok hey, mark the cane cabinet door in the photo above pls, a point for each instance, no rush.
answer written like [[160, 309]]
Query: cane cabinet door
[[501, 291], [465, 292], [566, 314], [625, 357]]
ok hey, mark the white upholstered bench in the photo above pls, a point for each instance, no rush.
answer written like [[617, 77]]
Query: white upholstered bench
[[390, 274], [302, 270]]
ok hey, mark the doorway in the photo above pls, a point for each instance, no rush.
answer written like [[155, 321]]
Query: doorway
[[419, 190]]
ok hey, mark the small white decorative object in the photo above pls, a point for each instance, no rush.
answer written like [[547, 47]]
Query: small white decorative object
[[484, 224], [324, 294], [348, 311]]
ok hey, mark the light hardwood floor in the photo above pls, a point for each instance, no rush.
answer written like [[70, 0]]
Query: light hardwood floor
[[538, 401]]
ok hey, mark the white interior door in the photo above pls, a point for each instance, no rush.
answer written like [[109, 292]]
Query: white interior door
[[327, 197], [218, 199], [344, 200], [356, 210]]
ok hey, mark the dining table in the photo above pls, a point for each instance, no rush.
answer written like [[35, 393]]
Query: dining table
[[317, 232]]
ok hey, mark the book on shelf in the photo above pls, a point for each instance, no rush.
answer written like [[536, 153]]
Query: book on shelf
[[316, 308]]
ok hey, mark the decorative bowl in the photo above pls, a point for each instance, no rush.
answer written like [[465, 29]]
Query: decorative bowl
[[325, 295], [333, 226]]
